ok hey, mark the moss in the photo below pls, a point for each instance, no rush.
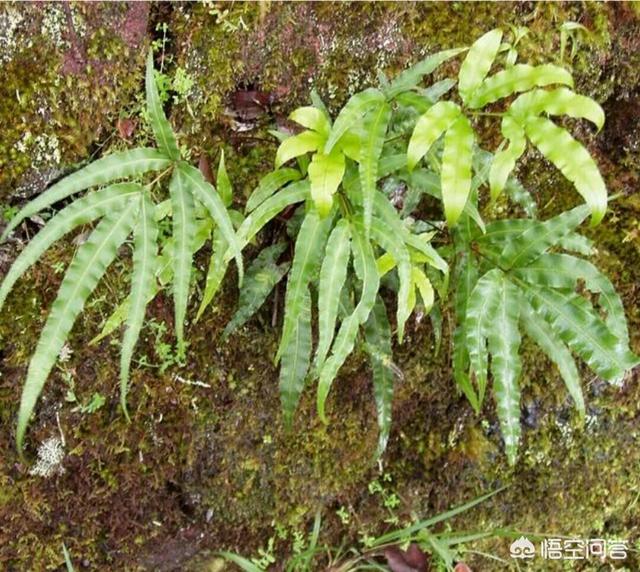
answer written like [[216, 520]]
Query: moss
[[69, 69]]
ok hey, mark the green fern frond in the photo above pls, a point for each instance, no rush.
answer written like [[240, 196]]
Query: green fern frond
[[478, 62], [159, 124], [504, 343], [306, 263], [573, 161], [410, 78], [82, 276], [183, 206], [263, 274], [377, 334], [143, 287], [352, 113], [295, 356], [365, 266], [83, 211], [545, 337], [333, 274], [375, 126], [516, 79], [456, 168], [110, 168], [429, 127], [325, 176]]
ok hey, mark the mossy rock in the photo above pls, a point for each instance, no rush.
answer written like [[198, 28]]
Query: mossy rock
[[68, 71]]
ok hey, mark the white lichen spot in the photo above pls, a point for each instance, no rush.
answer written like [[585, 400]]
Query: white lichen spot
[[591, 423], [566, 433], [65, 353], [53, 25], [43, 149], [10, 19], [50, 457]]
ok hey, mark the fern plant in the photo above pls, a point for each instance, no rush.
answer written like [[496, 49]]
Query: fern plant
[[515, 279], [410, 137], [506, 277], [122, 209], [522, 120], [360, 245], [350, 236]]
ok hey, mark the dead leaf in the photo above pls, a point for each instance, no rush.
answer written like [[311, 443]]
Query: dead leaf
[[205, 168], [411, 560], [126, 128]]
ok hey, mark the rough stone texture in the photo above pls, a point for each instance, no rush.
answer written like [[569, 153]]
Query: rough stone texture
[[68, 69], [209, 468]]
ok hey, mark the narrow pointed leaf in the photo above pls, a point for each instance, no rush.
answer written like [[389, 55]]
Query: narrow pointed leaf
[[465, 277], [82, 276], [159, 123], [574, 242], [183, 248], [207, 195], [579, 326], [263, 274], [392, 243], [429, 128], [478, 62], [271, 207], [82, 211], [573, 160], [104, 170], [561, 101], [504, 161], [332, 277], [312, 118], [564, 271], [351, 114], [225, 190], [143, 287], [309, 247], [410, 78], [377, 333], [365, 266], [516, 79], [298, 145], [543, 335], [244, 564], [456, 168], [216, 271], [375, 126], [504, 344], [538, 237], [325, 175], [425, 288], [269, 184], [481, 311], [296, 356]]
